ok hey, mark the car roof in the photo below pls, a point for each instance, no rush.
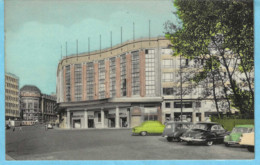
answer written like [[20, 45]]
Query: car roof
[[246, 126], [209, 123], [178, 122]]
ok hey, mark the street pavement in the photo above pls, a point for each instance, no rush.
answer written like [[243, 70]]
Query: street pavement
[[35, 143]]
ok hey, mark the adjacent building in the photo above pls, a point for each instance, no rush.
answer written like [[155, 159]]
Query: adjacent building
[[35, 106], [12, 110], [127, 84]]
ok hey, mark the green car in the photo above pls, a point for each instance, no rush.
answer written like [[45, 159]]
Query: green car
[[237, 131], [154, 127]]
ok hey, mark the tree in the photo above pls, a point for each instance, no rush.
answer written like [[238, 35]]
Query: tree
[[227, 27]]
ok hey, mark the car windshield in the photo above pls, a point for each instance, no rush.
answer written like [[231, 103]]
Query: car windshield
[[241, 130], [183, 126], [200, 126]]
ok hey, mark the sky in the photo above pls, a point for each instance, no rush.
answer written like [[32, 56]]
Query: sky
[[35, 31]]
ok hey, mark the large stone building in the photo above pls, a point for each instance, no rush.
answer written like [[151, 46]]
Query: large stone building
[[35, 106], [12, 110], [127, 84]]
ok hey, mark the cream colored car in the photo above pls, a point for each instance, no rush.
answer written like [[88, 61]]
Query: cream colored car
[[248, 140]]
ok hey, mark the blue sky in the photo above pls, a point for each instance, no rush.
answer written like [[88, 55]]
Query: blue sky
[[36, 29]]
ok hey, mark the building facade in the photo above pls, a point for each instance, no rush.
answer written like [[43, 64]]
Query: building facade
[[127, 84], [12, 110], [37, 107]]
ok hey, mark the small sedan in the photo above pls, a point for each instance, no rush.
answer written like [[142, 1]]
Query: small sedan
[[173, 130], [207, 133], [248, 140], [149, 127], [237, 131]]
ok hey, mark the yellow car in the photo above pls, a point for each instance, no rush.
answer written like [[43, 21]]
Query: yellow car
[[248, 140], [152, 127]]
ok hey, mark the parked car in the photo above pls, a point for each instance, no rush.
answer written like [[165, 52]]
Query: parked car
[[237, 131], [150, 127], [174, 129], [248, 140], [204, 132], [49, 126]]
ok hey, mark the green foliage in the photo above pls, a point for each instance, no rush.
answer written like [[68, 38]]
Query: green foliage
[[230, 123], [225, 24]]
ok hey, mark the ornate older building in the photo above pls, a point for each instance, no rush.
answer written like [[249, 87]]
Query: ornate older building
[[12, 110], [37, 107], [127, 84]]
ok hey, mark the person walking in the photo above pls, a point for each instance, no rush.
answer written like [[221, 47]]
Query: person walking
[[13, 129]]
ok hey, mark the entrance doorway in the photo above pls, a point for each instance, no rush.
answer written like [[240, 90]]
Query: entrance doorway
[[111, 122], [90, 123], [123, 122], [76, 123]]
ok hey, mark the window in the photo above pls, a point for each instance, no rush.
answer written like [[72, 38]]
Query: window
[[198, 104], [135, 73], [184, 104], [101, 75], [112, 74], [150, 72], [67, 80], [123, 74], [90, 80], [99, 117], [187, 62], [167, 77], [167, 91], [168, 105], [78, 82], [167, 63]]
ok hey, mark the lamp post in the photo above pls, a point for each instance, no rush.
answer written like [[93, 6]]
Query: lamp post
[[181, 85]]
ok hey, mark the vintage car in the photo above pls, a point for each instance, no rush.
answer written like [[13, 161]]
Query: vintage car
[[237, 131], [174, 129], [205, 132], [148, 127], [248, 140]]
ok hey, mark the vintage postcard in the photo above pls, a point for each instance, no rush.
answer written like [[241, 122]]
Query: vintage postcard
[[116, 81]]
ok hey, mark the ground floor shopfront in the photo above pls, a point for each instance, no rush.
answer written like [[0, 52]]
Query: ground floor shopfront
[[109, 113]]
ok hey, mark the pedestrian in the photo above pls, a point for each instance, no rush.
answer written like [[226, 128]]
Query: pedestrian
[[13, 129], [20, 129]]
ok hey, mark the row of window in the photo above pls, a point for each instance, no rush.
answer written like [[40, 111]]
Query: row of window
[[11, 85], [10, 98], [11, 105], [11, 79], [184, 104], [11, 111], [11, 92]]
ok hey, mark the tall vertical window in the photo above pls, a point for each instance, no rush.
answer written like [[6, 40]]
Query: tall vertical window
[[101, 79], [135, 73], [112, 74], [67, 80], [150, 72], [123, 74], [90, 80], [78, 82]]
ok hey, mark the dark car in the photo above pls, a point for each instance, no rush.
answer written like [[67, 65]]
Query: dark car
[[174, 129], [207, 133]]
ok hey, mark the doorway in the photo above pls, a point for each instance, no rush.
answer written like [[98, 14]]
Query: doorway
[[90, 123]]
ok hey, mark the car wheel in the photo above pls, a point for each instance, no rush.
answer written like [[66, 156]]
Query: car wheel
[[227, 145], [209, 143], [251, 148], [169, 139], [143, 133]]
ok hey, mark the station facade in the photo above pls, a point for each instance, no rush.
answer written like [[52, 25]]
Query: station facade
[[127, 84]]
